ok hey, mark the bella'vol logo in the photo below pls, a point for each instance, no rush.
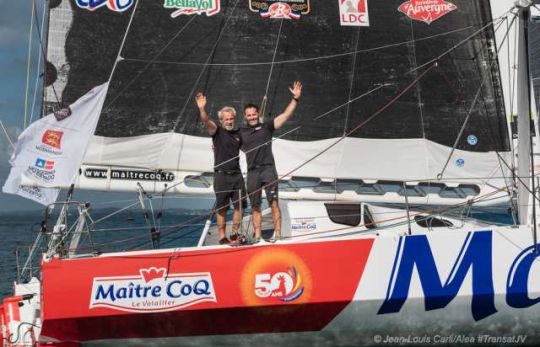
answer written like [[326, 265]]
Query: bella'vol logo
[[187, 7], [153, 290]]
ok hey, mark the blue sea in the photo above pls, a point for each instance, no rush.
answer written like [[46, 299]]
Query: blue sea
[[127, 230]]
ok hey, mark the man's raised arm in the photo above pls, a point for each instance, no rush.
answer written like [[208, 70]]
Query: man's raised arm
[[211, 127], [296, 91]]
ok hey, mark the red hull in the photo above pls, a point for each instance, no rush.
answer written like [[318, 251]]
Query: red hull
[[260, 289]]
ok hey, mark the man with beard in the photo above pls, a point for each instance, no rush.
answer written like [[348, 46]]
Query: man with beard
[[229, 184]]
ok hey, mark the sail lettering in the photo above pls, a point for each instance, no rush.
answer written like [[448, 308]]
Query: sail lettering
[[114, 5], [475, 257], [353, 18], [435, 8], [198, 4]]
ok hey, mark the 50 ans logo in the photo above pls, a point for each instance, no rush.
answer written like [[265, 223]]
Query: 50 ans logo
[[275, 277]]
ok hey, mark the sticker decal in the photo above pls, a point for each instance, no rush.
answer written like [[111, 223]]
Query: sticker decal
[[276, 277], [426, 11], [188, 7], [152, 290], [43, 170], [129, 175], [114, 5], [460, 162], [303, 225], [52, 138], [353, 13], [472, 140], [284, 9]]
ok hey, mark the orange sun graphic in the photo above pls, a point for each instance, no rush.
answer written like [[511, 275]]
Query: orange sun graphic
[[275, 277]]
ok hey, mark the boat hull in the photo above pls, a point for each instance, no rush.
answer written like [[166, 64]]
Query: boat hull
[[443, 287]]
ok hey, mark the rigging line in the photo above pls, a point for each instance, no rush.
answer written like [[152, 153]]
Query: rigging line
[[29, 59], [351, 85], [114, 213], [43, 53], [294, 129], [171, 229], [7, 135], [418, 88], [265, 97], [431, 210], [118, 57], [149, 63], [488, 25], [38, 64], [295, 61], [327, 148], [478, 92], [301, 126], [513, 91], [520, 178], [188, 99]]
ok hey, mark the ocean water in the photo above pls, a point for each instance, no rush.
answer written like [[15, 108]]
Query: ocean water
[[127, 230]]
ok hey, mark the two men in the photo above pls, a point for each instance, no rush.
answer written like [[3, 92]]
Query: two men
[[256, 141], [228, 181]]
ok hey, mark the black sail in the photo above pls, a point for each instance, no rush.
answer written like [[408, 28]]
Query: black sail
[[229, 56]]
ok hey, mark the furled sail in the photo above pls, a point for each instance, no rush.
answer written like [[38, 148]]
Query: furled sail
[[364, 67]]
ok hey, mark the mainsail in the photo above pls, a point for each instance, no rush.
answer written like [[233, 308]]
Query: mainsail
[[353, 57]]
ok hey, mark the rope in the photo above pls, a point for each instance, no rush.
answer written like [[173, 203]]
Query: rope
[[38, 76], [148, 64], [265, 98], [473, 104], [189, 98], [118, 57], [488, 25], [28, 63], [42, 48], [392, 101], [7, 135], [351, 85], [292, 130], [322, 57]]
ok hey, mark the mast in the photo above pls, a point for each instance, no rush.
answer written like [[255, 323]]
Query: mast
[[524, 112]]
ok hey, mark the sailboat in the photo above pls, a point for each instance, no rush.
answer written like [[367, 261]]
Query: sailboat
[[405, 103]]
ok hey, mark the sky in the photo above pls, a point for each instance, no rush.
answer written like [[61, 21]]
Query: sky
[[15, 18]]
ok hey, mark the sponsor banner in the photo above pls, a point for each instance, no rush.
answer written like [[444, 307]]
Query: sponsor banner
[[114, 5], [426, 10], [353, 13], [188, 7], [131, 175], [49, 152], [284, 9], [152, 290]]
